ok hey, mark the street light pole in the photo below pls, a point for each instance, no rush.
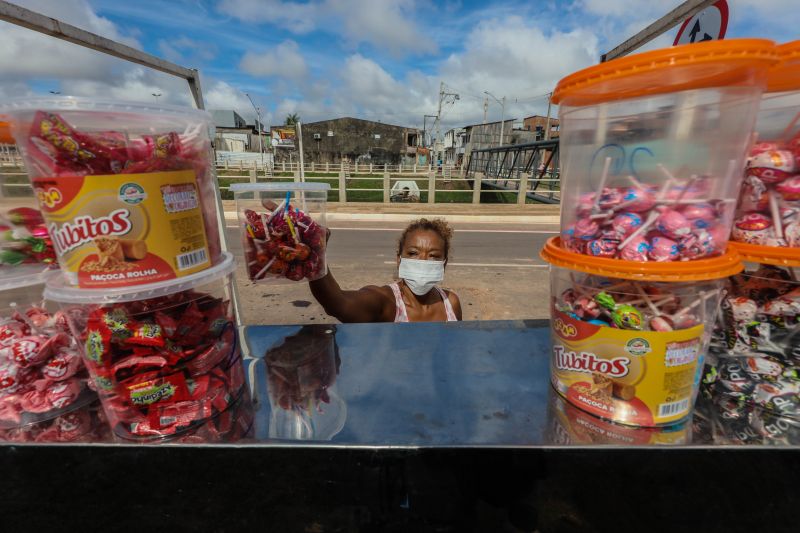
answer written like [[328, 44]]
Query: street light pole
[[502, 114], [258, 127], [156, 95]]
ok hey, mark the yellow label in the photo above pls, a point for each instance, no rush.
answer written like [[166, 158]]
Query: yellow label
[[125, 229], [643, 378]]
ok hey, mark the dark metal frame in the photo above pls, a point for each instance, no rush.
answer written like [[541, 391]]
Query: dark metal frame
[[504, 163]]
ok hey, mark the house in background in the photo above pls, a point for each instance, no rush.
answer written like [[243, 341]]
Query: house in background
[[365, 141], [538, 124], [454, 146], [233, 134]]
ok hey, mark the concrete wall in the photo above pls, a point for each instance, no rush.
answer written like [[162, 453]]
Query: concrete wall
[[355, 139]]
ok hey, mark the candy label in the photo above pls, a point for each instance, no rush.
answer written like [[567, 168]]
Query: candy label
[[126, 229], [642, 378]]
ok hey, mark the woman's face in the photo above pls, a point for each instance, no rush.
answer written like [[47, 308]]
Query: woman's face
[[423, 244]]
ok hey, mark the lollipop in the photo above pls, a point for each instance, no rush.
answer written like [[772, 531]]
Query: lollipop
[[773, 166], [673, 224], [753, 228], [636, 250], [626, 223], [663, 249], [790, 189], [624, 316]]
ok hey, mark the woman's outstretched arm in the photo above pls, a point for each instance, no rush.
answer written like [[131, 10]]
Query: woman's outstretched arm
[[368, 304]]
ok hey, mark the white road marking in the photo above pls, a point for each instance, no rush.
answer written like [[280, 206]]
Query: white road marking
[[498, 265]]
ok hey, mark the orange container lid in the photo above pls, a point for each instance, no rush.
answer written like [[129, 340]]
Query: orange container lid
[[725, 265], [679, 68], [770, 255], [5, 133], [785, 76]]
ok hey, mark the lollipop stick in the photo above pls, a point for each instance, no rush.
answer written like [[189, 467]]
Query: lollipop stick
[[656, 311], [651, 218], [276, 210], [686, 188], [263, 270], [602, 184], [776, 214]]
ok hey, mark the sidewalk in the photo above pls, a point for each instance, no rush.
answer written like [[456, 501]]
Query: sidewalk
[[486, 213]]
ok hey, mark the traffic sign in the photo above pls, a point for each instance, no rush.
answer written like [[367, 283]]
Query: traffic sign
[[708, 25]]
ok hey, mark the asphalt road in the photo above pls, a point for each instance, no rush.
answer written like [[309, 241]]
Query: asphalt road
[[494, 268]]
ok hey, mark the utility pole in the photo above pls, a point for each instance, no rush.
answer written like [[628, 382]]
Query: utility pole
[[547, 124], [443, 97], [258, 127], [502, 114], [485, 108]]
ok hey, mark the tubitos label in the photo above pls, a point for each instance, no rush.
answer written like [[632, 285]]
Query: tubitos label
[[125, 229], [638, 378]]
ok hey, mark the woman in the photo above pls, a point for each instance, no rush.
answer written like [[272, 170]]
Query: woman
[[422, 253]]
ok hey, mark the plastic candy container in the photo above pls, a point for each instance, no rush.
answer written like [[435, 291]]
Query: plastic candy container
[[283, 229], [41, 373], [768, 212], [127, 190], [732, 422], [757, 345], [653, 146], [86, 424], [165, 357], [629, 343]]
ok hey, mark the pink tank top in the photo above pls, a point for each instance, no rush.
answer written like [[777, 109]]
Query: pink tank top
[[401, 315]]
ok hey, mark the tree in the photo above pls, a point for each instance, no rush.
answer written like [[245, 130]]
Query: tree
[[292, 119]]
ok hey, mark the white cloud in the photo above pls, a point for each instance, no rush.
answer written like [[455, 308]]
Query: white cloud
[[25, 53], [284, 61], [222, 95], [386, 24]]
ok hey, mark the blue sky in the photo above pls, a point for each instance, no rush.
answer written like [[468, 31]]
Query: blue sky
[[375, 59]]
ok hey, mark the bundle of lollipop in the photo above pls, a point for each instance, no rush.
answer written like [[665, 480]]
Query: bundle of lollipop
[[769, 207], [166, 366], [633, 305], [640, 222], [40, 368], [24, 238], [758, 348], [86, 424], [283, 242], [54, 148]]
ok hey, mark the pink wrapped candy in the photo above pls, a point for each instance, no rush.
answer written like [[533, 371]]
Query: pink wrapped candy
[[636, 250], [790, 189], [602, 248], [752, 228], [586, 229], [773, 166], [626, 223], [673, 224], [638, 200], [701, 216], [663, 249]]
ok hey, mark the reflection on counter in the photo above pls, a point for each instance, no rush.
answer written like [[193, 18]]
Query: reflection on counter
[[301, 373], [569, 425]]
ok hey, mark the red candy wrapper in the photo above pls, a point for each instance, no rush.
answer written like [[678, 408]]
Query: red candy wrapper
[[283, 243], [164, 366]]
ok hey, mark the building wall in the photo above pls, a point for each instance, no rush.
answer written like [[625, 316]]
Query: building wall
[[538, 122], [354, 139]]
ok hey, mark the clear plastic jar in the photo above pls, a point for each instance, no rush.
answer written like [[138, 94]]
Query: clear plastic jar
[[283, 229], [653, 146], [128, 190], [41, 372], [165, 357]]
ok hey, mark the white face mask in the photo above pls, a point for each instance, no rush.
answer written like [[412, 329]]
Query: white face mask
[[421, 275]]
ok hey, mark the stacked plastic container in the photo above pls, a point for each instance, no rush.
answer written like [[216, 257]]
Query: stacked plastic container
[[755, 378], [42, 379], [653, 147], [128, 195]]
